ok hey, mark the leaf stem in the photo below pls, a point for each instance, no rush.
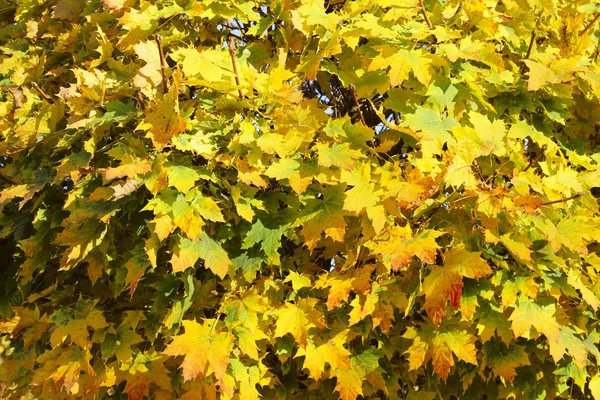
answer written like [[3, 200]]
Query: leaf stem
[[424, 12], [161, 54], [564, 199], [537, 156], [231, 44], [42, 93], [353, 91], [590, 25]]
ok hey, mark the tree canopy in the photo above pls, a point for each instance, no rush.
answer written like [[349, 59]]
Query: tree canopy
[[299, 199]]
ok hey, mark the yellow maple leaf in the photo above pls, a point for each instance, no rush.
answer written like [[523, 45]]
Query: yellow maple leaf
[[63, 366], [363, 194], [297, 319], [349, 383], [528, 314], [130, 170], [440, 347], [149, 74], [402, 246], [74, 323], [503, 359], [331, 352], [205, 352], [162, 120], [189, 251]]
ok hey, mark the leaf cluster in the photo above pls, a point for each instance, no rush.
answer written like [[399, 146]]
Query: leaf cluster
[[299, 200]]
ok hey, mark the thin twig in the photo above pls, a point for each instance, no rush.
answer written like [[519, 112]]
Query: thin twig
[[162, 62], [216, 322], [563, 200], [537, 156], [529, 49], [590, 25], [424, 12], [140, 99], [352, 90], [531, 42], [231, 45], [42, 93], [478, 170]]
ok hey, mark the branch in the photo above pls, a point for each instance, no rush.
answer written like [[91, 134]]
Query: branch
[[162, 63], [590, 25], [352, 90], [537, 156], [231, 45], [42, 93], [424, 12], [563, 200], [8, 180]]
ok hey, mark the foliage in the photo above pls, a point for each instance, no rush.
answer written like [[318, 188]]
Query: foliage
[[298, 199]]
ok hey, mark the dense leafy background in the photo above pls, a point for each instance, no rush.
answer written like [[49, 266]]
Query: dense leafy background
[[377, 198]]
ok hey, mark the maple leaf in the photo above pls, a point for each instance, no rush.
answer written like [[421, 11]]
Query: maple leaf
[[349, 384], [440, 346], [149, 74], [202, 348], [269, 238], [567, 341], [528, 314], [74, 323], [247, 378], [325, 216], [403, 62], [444, 345], [66, 9], [147, 369], [189, 251], [63, 366], [182, 178], [298, 319], [105, 49], [402, 246], [130, 170], [434, 129], [182, 305], [212, 65], [299, 281], [162, 120], [283, 169], [594, 385], [363, 194], [120, 344], [446, 283], [504, 360], [331, 352], [339, 155], [136, 267]]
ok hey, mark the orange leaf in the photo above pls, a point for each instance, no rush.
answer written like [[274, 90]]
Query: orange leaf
[[446, 283]]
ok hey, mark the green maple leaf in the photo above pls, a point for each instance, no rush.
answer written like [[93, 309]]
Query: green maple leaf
[[269, 238]]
